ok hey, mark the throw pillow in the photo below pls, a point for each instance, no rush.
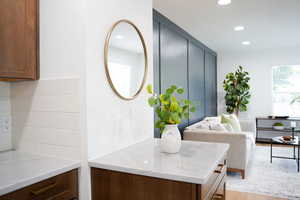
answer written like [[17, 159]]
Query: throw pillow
[[228, 127], [199, 125], [225, 119], [218, 127], [213, 119], [233, 121], [203, 125]]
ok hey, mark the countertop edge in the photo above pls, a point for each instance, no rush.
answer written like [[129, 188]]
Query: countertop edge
[[94, 164], [147, 173], [41, 177]]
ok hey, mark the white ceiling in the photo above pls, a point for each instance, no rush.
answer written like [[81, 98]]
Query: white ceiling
[[268, 24]]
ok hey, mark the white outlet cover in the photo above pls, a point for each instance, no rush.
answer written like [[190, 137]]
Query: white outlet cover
[[4, 124]]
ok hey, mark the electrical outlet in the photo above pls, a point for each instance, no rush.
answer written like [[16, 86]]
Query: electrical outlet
[[4, 124]]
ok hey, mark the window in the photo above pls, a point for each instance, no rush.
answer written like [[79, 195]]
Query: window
[[286, 86]]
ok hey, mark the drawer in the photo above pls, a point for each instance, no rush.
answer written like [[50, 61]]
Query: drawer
[[208, 189], [220, 192], [60, 187]]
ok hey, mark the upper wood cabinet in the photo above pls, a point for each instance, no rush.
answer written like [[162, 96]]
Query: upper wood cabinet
[[19, 40]]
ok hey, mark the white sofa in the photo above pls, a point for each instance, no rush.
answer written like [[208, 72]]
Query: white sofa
[[241, 144]]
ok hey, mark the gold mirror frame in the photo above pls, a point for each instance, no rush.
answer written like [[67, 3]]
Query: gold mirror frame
[[106, 51]]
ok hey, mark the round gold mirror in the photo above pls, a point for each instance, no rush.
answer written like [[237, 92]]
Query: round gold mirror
[[125, 59]]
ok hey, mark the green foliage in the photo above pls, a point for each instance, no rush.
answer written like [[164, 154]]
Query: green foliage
[[169, 109], [237, 88], [296, 100], [278, 124]]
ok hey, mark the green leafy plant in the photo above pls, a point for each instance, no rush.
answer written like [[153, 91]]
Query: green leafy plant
[[237, 88], [278, 124], [168, 108], [296, 100]]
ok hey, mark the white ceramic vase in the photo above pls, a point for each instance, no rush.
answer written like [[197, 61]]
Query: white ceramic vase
[[170, 140]]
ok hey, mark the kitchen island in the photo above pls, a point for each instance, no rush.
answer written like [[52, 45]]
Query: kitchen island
[[142, 172]]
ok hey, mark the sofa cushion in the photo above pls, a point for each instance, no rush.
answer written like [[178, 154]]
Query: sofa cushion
[[213, 119], [199, 125], [232, 120], [218, 127]]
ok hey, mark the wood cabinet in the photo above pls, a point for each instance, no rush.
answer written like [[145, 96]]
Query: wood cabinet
[[61, 187], [113, 185], [19, 40]]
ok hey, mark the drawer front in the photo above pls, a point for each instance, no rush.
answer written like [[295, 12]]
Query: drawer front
[[220, 192], [61, 187], [208, 189], [112, 185]]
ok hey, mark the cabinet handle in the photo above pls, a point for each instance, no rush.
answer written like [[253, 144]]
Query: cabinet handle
[[218, 196], [43, 190], [58, 196], [221, 168]]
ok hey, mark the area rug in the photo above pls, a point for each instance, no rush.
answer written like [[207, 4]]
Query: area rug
[[278, 179]]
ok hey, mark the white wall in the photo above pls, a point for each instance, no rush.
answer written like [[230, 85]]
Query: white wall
[[5, 114], [258, 64], [62, 38], [46, 113], [72, 112], [113, 123]]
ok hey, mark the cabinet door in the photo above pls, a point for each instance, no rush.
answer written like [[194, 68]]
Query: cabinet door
[[210, 84], [112, 185], [19, 39], [196, 82], [173, 61]]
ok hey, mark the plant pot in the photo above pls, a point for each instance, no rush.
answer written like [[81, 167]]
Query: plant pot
[[170, 140], [278, 127]]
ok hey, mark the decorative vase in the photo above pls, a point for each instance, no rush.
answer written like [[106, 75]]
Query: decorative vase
[[170, 140]]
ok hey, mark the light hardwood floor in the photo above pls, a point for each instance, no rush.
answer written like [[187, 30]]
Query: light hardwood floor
[[233, 195]]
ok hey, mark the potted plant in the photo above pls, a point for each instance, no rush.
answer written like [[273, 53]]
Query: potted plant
[[170, 111], [237, 88], [278, 126]]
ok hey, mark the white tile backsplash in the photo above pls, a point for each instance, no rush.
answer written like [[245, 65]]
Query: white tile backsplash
[[5, 114], [46, 117], [52, 87], [57, 120]]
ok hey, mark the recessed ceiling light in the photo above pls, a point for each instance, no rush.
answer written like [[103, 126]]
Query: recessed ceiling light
[[246, 43], [224, 2], [119, 37], [239, 28]]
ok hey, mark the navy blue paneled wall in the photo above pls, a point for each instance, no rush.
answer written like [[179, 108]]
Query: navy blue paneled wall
[[180, 59]]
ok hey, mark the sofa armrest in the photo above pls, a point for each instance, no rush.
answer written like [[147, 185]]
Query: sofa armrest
[[237, 153], [248, 125]]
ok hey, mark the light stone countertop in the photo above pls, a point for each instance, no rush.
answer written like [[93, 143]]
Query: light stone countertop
[[195, 162], [18, 170]]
